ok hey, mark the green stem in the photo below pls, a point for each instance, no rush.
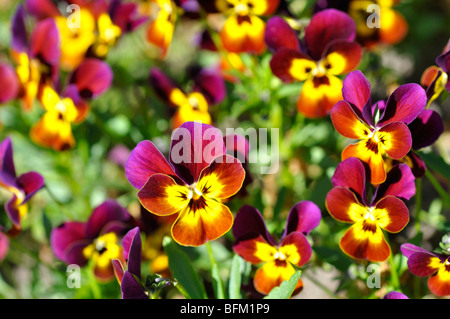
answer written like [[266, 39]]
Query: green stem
[[217, 281], [395, 281], [418, 204], [320, 285], [441, 191], [93, 283]]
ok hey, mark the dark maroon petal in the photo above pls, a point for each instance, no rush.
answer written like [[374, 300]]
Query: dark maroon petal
[[74, 253], [209, 6], [194, 146], [443, 61], [350, 51], [325, 27], [45, 44], [130, 288], [395, 295], [303, 217], [404, 104], [132, 250], [426, 129], [19, 36], [126, 16], [237, 146], [249, 224], [400, 182], [92, 78], [162, 84], [8, 82], [211, 84], [30, 183], [144, 161], [281, 63], [409, 249], [42, 9], [65, 235], [418, 264], [352, 174], [418, 166], [279, 34], [109, 211]]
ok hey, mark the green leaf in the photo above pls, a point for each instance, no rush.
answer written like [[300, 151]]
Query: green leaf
[[234, 286], [183, 272], [436, 163], [287, 287]]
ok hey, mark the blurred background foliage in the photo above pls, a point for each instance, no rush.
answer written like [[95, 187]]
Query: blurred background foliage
[[78, 180]]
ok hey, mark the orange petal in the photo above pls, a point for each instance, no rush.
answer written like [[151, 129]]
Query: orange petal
[[272, 274], [243, 34]]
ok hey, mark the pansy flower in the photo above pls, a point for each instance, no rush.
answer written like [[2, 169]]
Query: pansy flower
[[355, 117], [37, 55], [98, 239], [4, 244], [395, 295], [192, 184], [9, 83], [209, 89], [435, 78], [128, 269], [435, 266], [54, 129], [22, 187], [276, 259], [377, 21], [243, 30], [327, 51], [347, 202]]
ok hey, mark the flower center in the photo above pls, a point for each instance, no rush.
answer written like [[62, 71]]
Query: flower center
[[279, 255], [194, 193], [241, 9]]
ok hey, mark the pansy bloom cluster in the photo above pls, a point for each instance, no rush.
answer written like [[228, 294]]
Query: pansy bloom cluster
[[224, 149]]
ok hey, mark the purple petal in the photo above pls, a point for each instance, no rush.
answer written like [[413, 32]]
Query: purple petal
[[162, 84], [19, 36], [400, 182], [409, 249], [194, 146], [237, 146], [443, 61], [325, 27], [418, 264], [131, 289], [395, 295], [418, 165], [357, 91], [352, 174], [126, 16], [426, 129], [8, 82], [248, 224], [404, 104], [211, 84], [279, 34], [12, 210], [4, 246], [30, 183], [118, 269], [108, 212], [64, 236], [303, 217], [45, 43], [132, 249], [92, 78], [144, 161], [74, 253], [7, 170]]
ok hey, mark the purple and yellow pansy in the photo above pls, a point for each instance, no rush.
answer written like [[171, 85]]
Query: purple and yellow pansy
[[97, 239], [277, 261], [192, 184], [347, 202], [381, 128], [327, 51], [435, 266], [22, 187]]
